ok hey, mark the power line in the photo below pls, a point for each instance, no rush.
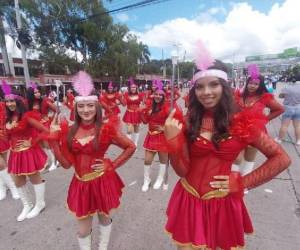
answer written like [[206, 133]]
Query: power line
[[127, 7]]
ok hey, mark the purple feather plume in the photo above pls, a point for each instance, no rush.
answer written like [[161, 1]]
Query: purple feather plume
[[253, 71], [203, 58], [6, 88], [82, 83], [131, 81], [33, 85]]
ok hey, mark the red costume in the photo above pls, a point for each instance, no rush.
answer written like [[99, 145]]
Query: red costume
[[69, 102], [25, 160], [110, 102], [258, 103], [133, 114], [202, 216], [4, 145], [90, 191], [155, 139]]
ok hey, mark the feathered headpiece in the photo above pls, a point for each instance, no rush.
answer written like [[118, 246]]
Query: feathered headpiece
[[253, 72], [6, 88], [203, 61], [83, 85], [159, 86], [33, 85], [110, 85], [131, 82]]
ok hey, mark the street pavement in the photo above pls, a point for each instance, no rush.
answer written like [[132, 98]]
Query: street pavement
[[139, 222]]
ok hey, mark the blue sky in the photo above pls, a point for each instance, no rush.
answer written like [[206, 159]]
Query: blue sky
[[205, 12]]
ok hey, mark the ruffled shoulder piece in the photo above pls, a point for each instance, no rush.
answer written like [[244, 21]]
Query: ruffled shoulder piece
[[247, 125], [266, 98], [109, 129], [34, 114]]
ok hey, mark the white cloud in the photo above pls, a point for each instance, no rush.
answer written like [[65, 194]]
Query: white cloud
[[122, 17], [245, 31]]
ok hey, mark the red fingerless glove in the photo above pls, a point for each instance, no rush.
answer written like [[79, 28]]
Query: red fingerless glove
[[236, 187]]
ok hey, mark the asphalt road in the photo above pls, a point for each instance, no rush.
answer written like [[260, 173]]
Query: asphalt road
[[139, 222]]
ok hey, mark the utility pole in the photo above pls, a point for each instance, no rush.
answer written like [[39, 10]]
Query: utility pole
[[23, 49], [177, 45], [164, 65], [4, 49]]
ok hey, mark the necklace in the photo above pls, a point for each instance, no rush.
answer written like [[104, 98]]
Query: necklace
[[87, 126]]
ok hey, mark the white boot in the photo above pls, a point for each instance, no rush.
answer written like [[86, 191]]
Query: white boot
[[6, 177], [235, 168], [85, 243], [160, 177], [129, 136], [51, 159], [147, 179], [27, 204], [104, 236], [136, 138], [40, 205], [2, 190], [247, 167]]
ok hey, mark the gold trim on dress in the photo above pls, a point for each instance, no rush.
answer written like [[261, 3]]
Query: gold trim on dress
[[20, 148], [209, 195], [90, 176], [155, 132]]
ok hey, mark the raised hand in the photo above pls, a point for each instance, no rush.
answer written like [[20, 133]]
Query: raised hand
[[172, 126]]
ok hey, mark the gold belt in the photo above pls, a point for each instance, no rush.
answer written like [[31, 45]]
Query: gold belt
[[154, 132], [19, 149], [209, 195], [90, 176], [131, 110]]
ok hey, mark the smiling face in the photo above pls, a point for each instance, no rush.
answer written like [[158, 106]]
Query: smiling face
[[253, 85], [86, 110], [37, 94], [11, 104], [208, 91], [158, 97], [133, 89]]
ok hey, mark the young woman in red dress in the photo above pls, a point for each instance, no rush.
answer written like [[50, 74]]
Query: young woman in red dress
[[6, 180], [206, 209], [155, 114], [111, 101], [69, 103], [132, 117], [256, 98], [42, 107], [96, 188], [26, 158]]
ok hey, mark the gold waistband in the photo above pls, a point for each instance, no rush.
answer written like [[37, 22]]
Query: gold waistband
[[90, 176], [209, 195], [154, 132], [132, 110], [20, 149]]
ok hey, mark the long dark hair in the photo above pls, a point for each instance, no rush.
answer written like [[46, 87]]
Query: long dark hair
[[156, 107], [31, 98], [222, 113], [261, 88], [75, 126], [20, 110]]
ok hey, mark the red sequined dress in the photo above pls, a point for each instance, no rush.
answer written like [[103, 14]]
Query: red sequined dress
[[111, 102], [257, 105], [92, 192], [70, 103], [202, 216], [155, 139], [133, 113], [4, 145], [25, 159]]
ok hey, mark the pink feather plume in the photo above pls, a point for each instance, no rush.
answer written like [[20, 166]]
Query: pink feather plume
[[110, 85], [33, 85], [253, 71], [159, 84], [131, 81], [6, 88], [82, 83], [203, 58]]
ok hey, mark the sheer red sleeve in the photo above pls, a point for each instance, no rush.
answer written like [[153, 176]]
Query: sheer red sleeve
[[277, 161], [275, 107], [59, 145], [179, 154], [111, 131]]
